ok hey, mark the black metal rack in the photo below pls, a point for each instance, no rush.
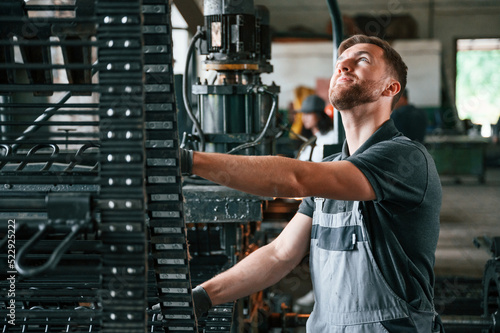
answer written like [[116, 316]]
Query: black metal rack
[[89, 164]]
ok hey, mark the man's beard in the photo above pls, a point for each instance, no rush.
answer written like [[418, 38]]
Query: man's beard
[[348, 97]]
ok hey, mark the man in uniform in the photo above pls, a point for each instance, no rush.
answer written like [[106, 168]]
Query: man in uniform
[[370, 217]]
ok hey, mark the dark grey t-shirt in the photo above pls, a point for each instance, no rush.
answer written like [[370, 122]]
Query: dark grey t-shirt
[[403, 222]]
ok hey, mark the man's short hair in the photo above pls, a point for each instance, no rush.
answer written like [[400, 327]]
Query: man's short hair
[[396, 64]]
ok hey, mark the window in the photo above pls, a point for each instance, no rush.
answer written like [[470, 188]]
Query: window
[[478, 81]]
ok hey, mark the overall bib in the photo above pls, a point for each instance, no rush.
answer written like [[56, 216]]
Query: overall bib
[[351, 295]]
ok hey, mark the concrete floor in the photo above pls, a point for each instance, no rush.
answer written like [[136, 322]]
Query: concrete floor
[[469, 209]]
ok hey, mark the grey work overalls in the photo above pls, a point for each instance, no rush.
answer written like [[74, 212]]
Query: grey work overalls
[[351, 295]]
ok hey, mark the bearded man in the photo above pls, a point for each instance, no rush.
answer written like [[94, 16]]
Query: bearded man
[[370, 215]]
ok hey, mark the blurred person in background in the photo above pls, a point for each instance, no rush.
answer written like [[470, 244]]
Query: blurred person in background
[[320, 124], [410, 120]]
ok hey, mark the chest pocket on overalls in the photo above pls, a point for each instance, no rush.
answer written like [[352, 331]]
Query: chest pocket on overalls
[[335, 233], [337, 238]]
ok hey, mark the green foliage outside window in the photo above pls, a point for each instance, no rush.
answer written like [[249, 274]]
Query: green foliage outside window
[[478, 86]]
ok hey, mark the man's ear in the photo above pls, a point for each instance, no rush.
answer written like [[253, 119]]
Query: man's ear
[[392, 89]]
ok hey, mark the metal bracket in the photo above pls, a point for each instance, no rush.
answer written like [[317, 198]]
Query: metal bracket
[[66, 211]]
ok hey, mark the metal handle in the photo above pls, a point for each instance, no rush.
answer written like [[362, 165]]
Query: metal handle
[[32, 151], [54, 258], [79, 154]]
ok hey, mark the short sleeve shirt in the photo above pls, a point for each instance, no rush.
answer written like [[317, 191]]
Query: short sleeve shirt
[[403, 220]]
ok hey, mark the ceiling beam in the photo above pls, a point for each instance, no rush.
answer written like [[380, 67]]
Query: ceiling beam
[[191, 14]]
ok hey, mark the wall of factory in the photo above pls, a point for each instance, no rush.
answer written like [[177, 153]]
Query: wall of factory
[[444, 20]]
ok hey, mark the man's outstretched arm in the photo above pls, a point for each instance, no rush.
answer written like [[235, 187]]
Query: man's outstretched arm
[[284, 177], [265, 266]]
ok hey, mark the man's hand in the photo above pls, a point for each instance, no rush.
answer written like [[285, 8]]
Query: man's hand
[[202, 302], [186, 159]]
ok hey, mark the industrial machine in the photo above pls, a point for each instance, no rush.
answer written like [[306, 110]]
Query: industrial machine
[[92, 233], [237, 112], [95, 218]]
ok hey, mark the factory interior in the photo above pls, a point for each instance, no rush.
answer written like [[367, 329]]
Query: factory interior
[[102, 231]]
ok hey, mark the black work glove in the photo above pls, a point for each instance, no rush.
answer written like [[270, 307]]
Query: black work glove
[[186, 159], [202, 302]]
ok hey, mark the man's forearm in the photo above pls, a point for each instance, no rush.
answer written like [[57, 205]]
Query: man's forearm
[[254, 273], [259, 175]]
